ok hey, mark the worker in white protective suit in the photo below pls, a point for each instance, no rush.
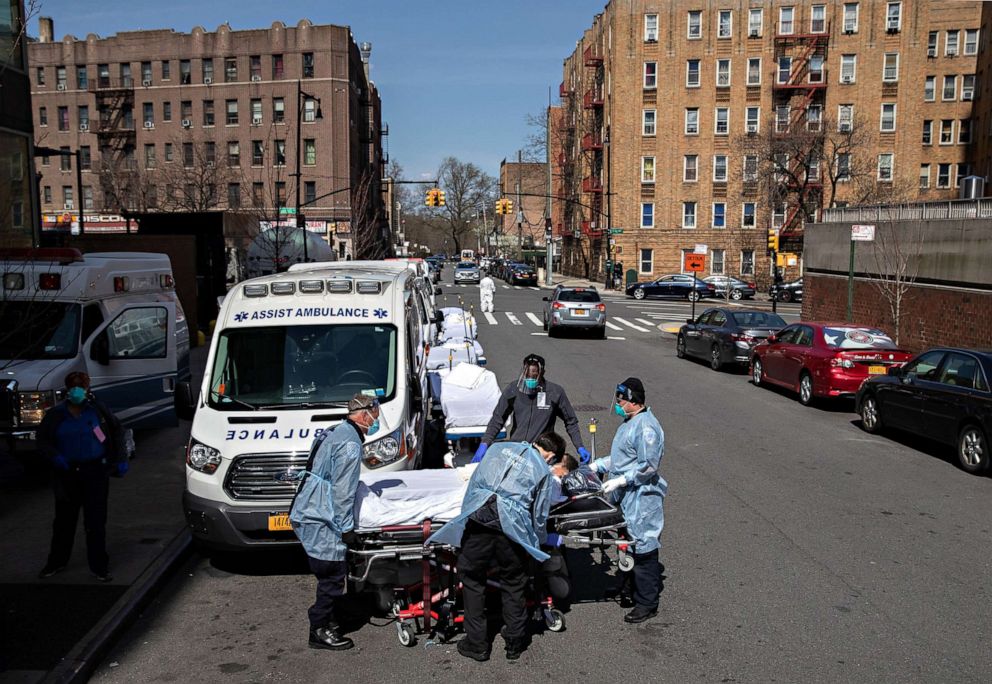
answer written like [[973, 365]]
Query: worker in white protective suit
[[487, 292]]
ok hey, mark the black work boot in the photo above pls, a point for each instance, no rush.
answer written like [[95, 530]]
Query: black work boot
[[329, 638], [640, 614], [466, 650]]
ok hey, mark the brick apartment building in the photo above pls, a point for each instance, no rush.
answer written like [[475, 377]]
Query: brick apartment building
[[526, 185], [174, 122], [669, 109], [18, 200]]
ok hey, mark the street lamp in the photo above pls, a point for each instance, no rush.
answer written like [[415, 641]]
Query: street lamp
[[299, 142]]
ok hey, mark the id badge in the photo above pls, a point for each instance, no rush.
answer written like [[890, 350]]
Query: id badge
[[542, 400], [98, 433]]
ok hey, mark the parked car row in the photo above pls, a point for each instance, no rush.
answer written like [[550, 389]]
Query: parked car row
[[513, 272], [787, 292], [942, 394]]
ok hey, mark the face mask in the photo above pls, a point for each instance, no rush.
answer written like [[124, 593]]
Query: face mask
[[530, 383], [77, 395], [373, 428], [618, 409]]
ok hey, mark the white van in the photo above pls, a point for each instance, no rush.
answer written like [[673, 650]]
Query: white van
[[288, 352], [113, 315]]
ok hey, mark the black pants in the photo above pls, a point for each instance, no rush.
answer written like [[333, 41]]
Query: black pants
[[646, 581], [331, 576], [484, 548], [85, 486]]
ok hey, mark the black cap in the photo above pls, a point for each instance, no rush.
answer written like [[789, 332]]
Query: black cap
[[631, 390]]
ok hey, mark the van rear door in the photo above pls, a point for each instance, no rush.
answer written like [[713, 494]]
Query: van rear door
[[132, 362]]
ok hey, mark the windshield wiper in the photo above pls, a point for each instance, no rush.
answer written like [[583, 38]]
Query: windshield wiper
[[307, 405], [231, 400]]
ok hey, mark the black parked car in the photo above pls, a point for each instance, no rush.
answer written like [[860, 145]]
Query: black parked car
[[724, 336], [677, 286], [942, 394], [787, 292], [521, 274]]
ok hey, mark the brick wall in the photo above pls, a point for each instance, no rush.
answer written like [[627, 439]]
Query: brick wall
[[931, 316]]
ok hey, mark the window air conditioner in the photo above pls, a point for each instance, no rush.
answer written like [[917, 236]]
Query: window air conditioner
[[84, 127], [67, 206], [149, 125], [952, 52], [752, 128], [849, 31], [847, 79], [931, 52], [60, 86], [755, 33], [892, 29], [256, 78], [187, 123], [967, 94], [845, 126], [207, 80], [256, 121], [146, 82]]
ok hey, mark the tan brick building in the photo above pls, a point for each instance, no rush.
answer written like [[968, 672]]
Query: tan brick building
[[669, 110], [167, 121], [526, 185]]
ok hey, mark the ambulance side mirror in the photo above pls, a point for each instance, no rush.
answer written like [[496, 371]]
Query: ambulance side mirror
[[437, 290], [100, 349], [183, 401]]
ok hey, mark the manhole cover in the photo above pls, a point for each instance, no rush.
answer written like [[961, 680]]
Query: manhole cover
[[588, 408]]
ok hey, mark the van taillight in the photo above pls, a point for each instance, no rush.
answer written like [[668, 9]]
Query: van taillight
[[50, 281]]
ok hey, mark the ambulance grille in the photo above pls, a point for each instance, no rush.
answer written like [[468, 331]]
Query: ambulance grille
[[263, 477]]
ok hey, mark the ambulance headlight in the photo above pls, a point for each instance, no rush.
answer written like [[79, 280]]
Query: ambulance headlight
[[201, 457], [384, 451], [33, 405]]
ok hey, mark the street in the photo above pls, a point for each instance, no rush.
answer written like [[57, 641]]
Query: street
[[797, 547]]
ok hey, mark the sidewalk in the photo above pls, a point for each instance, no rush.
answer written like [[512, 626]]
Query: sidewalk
[[43, 619]]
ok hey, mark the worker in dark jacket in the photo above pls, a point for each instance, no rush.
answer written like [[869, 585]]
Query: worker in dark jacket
[[84, 443], [536, 404]]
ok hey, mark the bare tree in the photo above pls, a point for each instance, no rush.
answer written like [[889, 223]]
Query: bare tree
[[536, 143], [369, 229], [195, 181], [467, 188], [896, 253]]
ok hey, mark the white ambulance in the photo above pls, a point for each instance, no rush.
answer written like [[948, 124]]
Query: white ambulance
[[113, 315], [288, 352]]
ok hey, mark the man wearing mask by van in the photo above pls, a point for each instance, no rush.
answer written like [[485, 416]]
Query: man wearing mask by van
[[632, 479], [536, 404], [84, 442], [322, 514]]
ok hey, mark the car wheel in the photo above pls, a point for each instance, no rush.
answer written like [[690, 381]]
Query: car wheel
[[680, 347], [871, 419], [639, 293], [716, 362], [693, 296], [973, 449], [785, 296], [736, 295], [806, 389], [602, 333], [552, 330], [757, 372], [545, 324]]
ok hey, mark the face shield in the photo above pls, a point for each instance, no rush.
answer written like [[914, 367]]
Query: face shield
[[621, 394], [531, 374]]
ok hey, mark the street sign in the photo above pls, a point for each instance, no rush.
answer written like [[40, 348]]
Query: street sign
[[694, 263], [287, 211], [616, 231], [862, 233]]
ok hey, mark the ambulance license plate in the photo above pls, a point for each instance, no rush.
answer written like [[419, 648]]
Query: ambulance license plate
[[877, 370], [279, 523], [582, 312]]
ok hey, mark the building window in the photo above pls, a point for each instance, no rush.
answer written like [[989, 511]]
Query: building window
[[723, 73], [752, 119], [650, 75], [230, 69], [950, 91], [150, 156], [63, 114], [692, 121], [890, 70], [688, 214], [67, 197], [231, 107], [166, 70], [964, 170], [755, 19], [651, 28], [280, 152], [82, 80], [103, 75], [208, 112], [818, 19], [148, 114], [168, 152], [647, 215], [308, 65], [648, 121], [188, 155], [234, 195], [717, 264], [65, 159], [48, 194], [786, 20], [719, 215], [754, 71], [816, 69], [278, 67], [281, 193], [85, 158], [258, 194], [725, 24], [186, 109], [309, 192], [927, 132], [893, 17], [695, 25], [88, 198], [750, 168], [932, 43], [930, 89], [210, 153], [646, 262], [39, 76], [256, 111], [850, 17], [885, 167], [692, 73], [814, 118], [146, 73], [166, 111], [964, 132], [924, 176], [278, 110], [310, 152], [943, 175], [309, 110], [951, 42], [784, 69], [722, 121], [888, 122], [690, 168], [844, 166], [747, 262], [255, 67], [968, 87], [647, 169], [207, 69], [971, 42], [782, 114], [719, 168], [234, 153], [748, 215], [42, 116], [257, 152], [848, 68]]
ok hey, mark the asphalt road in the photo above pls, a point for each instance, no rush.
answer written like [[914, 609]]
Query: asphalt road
[[797, 548]]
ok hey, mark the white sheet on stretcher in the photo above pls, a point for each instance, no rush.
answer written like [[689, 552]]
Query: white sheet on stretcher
[[454, 351], [469, 395], [458, 323], [409, 497]]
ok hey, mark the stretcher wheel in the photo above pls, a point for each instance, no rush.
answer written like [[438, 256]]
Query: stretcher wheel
[[397, 606], [554, 620], [625, 562], [404, 633]]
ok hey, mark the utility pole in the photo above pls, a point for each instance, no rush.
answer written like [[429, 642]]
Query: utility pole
[[609, 212], [549, 251], [299, 125], [520, 209]]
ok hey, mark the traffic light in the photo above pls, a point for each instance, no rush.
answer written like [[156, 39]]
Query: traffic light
[[499, 206], [508, 208], [772, 240], [439, 198], [429, 198]]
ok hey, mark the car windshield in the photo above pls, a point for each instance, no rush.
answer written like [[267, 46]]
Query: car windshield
[[757, 319], [466, 264], [583, 296], [857, 338], [38, 329], [287, 366]]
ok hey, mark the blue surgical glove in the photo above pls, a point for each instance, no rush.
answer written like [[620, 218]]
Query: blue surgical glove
[[480, 452], [60, 463], [120, 469], [554, 539], [584, 455]]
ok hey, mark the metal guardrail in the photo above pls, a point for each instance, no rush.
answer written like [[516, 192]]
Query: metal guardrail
[[921, 211]]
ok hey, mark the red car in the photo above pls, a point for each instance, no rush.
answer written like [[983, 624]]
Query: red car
[[824, 359]]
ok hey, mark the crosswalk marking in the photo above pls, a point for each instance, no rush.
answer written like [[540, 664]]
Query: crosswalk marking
[[612, 326], [534, 319], [535, 288], [505, 287], [647, 323], [629, 324], [489, 317], [513, 319]]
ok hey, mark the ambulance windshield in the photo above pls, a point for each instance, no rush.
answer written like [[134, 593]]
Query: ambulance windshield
[[302, 366], [31, 330]]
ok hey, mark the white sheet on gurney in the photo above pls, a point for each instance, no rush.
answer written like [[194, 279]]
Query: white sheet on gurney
[[408, 497], [469, 395], [453, 352], [458, 323]]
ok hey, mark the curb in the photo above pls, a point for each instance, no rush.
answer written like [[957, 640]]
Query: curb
[[78, 665]]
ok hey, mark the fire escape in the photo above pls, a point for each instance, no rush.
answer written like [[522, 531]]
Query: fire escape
[[592, 144], [799, 92], [566, 158], [116, 135]]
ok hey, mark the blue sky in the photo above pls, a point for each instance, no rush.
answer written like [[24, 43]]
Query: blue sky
[[457, 77]]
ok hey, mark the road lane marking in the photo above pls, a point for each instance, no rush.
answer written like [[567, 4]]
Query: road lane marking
[[631, 325], [613, 327], [489, 317], [513, 319], [540, 334], [616, 338], [647, 323], [505, 287], [535, 288], [534, 319]]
